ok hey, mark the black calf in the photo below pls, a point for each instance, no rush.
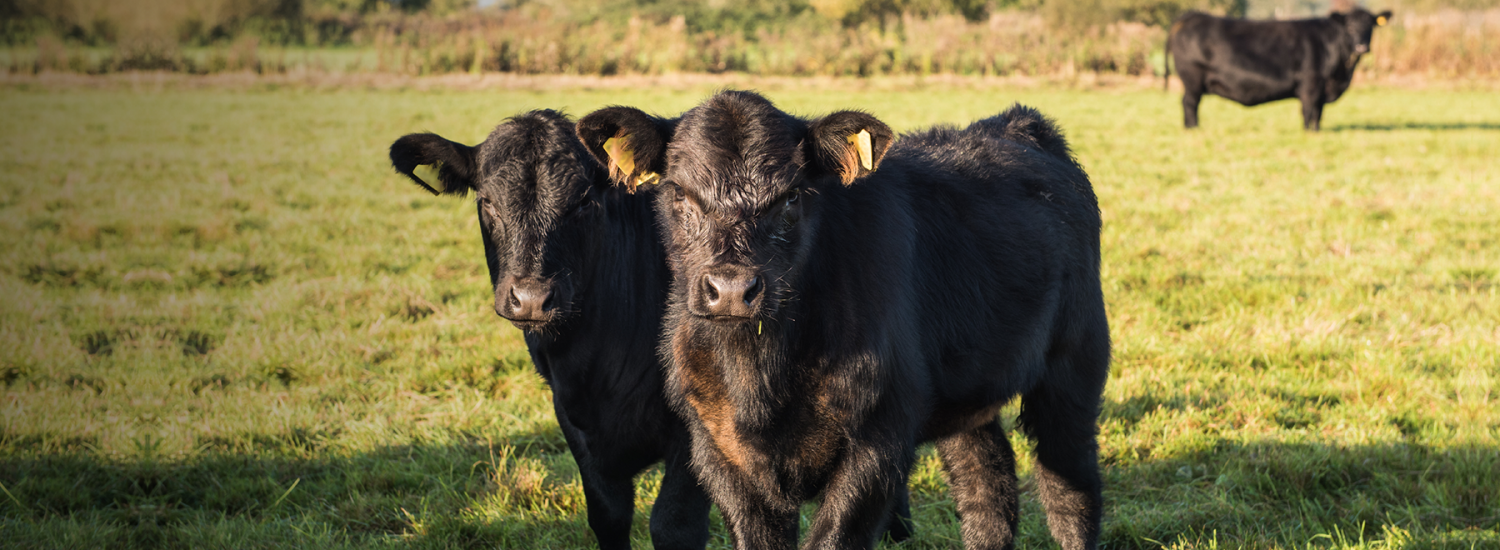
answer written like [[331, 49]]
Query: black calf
[[833, 305], [577, 264]]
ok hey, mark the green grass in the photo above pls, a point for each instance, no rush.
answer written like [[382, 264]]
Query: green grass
[[226, 323]]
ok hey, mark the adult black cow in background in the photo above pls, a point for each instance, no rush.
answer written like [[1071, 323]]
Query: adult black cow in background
[[578, 265], [833, 305], [1253, 62]]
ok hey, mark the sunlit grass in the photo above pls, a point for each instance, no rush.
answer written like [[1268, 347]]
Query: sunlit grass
[[225, 323]]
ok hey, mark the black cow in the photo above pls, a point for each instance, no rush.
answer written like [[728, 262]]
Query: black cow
[[577, 264], [1253, 62], [826, 317]]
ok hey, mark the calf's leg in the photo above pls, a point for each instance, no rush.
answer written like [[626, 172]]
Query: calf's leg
[[753, 521], [859, 499], [981, 469], [756, 525], [610, 498], [679, 519], [1061, 415], [611, 504]]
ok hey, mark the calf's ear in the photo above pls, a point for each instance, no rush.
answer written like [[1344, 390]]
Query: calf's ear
[[849, 144], [631, 144], [454, 162], [1383, 17]]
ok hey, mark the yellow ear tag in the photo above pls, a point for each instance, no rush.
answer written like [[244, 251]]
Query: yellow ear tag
[[648, 178], [618, 149], [1380, 20], [861, 141]]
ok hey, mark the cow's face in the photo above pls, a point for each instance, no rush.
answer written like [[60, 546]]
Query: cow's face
[[744, 195], [535, 195], [1360, 24]]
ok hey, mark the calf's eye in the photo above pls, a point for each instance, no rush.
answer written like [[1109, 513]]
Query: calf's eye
[[790, 213]]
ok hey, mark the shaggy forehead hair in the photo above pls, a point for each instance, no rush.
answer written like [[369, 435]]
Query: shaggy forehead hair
[[736, 151], [533, 162]]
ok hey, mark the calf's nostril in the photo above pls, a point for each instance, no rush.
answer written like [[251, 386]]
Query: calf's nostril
[[752, 290], [710, 290]]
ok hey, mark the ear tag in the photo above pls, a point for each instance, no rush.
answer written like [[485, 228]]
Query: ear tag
[[648, 178], [430, 173], [1380, 20], [861, 141], [618, 149]]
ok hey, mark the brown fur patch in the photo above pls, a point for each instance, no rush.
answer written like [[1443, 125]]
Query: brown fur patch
[[709, 397], [820, 445]]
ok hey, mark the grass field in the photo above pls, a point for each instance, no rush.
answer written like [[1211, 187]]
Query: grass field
[[226, 323]]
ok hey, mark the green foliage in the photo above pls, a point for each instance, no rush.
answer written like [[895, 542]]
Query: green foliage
[[226, 323], [1077, 15]]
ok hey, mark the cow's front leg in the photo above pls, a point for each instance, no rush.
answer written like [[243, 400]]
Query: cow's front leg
[[861, 496], [754, 521], [757, 524], [609, 497], [1312, 106]]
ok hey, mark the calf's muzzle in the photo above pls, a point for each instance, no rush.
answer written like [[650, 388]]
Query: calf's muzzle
[[526, 301], [728, 293]]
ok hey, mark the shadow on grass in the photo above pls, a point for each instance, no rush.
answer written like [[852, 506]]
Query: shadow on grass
[[520, 493], [1440, 126], [1273, 494], [419, 495]]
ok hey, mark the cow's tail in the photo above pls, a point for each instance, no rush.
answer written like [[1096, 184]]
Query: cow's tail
[[1024, 124], [1166, 59]]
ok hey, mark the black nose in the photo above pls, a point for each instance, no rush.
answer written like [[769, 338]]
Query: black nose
[[525, 300], [731, 293]]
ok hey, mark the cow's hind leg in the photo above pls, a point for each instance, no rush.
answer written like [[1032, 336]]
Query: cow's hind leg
[[1061, 415], [982, 472], [679, 519]]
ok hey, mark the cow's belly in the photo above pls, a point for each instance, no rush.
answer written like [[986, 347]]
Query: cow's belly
[[1248, 88]]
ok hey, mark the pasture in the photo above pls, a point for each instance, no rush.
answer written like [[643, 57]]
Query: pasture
[[225, 322]]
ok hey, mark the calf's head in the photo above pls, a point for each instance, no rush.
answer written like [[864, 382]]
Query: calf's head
[[1360, 24], [745, 190], [536, 192]]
